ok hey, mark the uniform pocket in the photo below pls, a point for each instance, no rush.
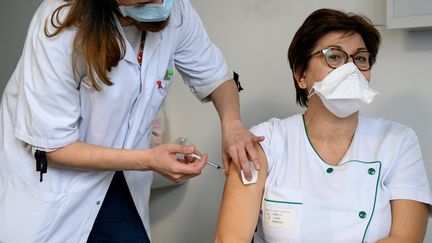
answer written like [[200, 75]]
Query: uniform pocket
[[281, 214], [165, 77], [27, 213]]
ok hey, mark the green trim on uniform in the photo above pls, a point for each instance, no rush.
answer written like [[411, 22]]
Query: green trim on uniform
[[353, 161], [275, 201], [375, 197], [310, 142], [316, 152]]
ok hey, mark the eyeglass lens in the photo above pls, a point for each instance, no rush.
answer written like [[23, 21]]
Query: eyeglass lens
[[336, 58]]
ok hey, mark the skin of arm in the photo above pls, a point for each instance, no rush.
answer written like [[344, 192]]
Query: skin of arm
[[237, 142], [241, 205], [161, 159], [409, 222]]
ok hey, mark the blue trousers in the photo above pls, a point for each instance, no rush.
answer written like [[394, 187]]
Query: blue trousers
[[118, 220]]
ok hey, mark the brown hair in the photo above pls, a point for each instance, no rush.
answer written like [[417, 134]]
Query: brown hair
[[318, 24], [98, 40]]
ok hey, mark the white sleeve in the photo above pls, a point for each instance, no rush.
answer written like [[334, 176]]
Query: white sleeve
[[407, 178], [48, 101], [197, 59]]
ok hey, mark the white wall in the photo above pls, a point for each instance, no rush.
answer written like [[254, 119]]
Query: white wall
[[14, 20], [254, 35]]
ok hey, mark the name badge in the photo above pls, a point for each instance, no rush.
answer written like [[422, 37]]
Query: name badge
[[283, 218]]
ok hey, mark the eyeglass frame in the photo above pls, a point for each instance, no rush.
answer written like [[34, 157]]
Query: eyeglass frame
[[323, 51]]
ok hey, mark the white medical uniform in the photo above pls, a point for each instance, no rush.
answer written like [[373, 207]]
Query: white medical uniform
[[45, 106], [307, 200]]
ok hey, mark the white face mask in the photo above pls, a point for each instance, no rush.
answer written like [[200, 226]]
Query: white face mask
[[344, 91]]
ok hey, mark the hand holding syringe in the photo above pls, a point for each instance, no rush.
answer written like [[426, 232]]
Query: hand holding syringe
[[246, 182], [254, 172], [183, 141], [214, 165]]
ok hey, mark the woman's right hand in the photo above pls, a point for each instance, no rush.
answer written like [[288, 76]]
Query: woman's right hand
[[163, 159]]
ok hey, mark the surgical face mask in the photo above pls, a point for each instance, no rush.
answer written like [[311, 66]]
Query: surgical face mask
[[149, 12], [344, 91]]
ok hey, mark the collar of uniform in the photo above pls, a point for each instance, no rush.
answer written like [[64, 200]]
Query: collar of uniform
[[352, 149], [152, 40]]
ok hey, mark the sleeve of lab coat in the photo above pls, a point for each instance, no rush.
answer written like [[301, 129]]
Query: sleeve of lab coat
[[407, 178], [198, 60], [48, 104]]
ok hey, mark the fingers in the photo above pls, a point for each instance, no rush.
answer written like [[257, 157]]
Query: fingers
[[244, 163], [203, 161], [241, 152], [189, 159], [258, 139], [225, 159], [189, 149], [197, 152], [253, 156], [232, 152], [182, 171], [176, 168], [238, 156]]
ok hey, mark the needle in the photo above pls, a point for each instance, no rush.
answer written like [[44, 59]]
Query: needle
[[214, 165]]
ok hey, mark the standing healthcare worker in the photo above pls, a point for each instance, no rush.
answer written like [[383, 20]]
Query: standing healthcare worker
[[79, 106]]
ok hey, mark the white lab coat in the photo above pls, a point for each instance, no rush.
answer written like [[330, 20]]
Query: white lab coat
[[308, 201], [45, 106]]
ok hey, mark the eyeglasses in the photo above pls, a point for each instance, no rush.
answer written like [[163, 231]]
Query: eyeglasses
[[336, 57]]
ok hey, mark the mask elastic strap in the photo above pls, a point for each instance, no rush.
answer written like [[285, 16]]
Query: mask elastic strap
[[311, 92]]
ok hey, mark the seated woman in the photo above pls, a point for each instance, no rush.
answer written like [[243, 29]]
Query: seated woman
[[331, 175]]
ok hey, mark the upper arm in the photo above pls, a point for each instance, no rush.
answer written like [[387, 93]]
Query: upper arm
[[241, 204], [407, 178], [47, 106], [200, 63], [409, 221]]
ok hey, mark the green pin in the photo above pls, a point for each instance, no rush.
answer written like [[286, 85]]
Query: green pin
[[168, 75]]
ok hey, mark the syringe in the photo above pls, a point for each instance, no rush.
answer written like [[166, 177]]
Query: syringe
[[214, 165]]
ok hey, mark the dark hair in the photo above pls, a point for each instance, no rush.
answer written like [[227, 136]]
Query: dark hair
[[318, 24], [97, 39]]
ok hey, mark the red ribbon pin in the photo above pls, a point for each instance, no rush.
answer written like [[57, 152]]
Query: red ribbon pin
[[159, 83]]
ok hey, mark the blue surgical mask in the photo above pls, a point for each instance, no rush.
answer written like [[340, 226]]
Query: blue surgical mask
[[149, 12]]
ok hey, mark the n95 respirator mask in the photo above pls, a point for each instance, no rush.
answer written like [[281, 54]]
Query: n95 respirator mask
[[344, 90]]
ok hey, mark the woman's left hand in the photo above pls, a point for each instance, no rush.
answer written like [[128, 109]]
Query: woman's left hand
[[238, 146]]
